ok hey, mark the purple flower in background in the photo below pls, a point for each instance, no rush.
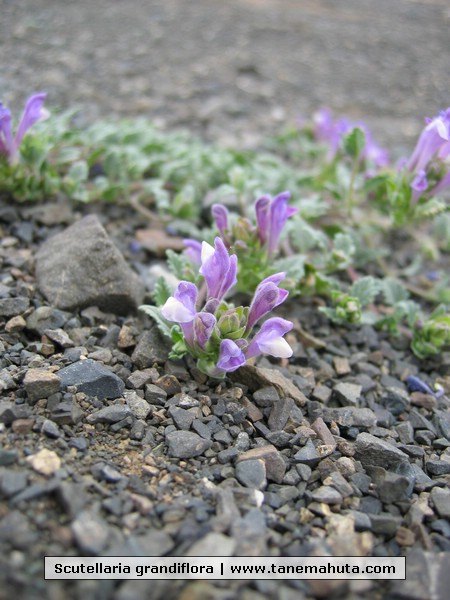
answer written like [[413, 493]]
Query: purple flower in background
[[220, 216], [218, 268], [271, 217], [267, 296], [33, 112], [433, 142], [439, 187], [231, 356], [193, 251], [331, 132], [269, 339]]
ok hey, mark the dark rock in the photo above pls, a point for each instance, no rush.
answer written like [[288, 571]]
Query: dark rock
[[151, 348], [384, 523], [110, 414], [273, 460], [438, 467], [351, 416], [51, 429], [10, 412], [46, 317], [155, 395], [79, 443], [10, 307], [395, 400], [186, 444], [81, 267], [347, 393], [92, 378], [12, 482], [138, 379], [280, 413], [7, 457], [327, 495], [405, 432], [251, 473], [371, 450], [15, 529], [308, 455], [139, 407], [182, 418]]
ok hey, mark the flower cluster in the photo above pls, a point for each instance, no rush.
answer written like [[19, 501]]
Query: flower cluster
[[215, 332], [256, 244], [33, 112], [332, 131], [429, 164]]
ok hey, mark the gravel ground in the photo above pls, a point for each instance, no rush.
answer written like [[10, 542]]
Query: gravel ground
[[106, 446]]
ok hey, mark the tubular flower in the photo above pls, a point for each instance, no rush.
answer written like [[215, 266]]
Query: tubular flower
[[271, 217], [216, 333], [218, 268], [33, 112]]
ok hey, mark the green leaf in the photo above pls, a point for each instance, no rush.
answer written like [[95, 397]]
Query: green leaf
[[365, 289], [354, 143], [161, 291], [293, 266], [393, 291], [178, 263], [79, 171]]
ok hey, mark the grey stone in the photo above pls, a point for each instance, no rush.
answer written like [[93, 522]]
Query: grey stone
[[351, 416], [181, 417], [280, 413], [155, 394], [273, 460], [347, 393], [15, 529], [250, 533], [422, 480], [213, 544], [51, 429], [308, 455], [202, 429], [81, 267], [138, 406], [151, 348], [110, 414], [338, 481], [441, 500], [153, 543], [438, 467], [395, 400], [91, 533], [391, 487], [10, 307], [405, 432], [251, 473], [72, 498], [371, 450], [327, 495], [361, 519], [384, 523], [92, 378], [46, 317], [12, 482], [10, 412], [138, 379], [60, 337], [186, 444], [8, 457]]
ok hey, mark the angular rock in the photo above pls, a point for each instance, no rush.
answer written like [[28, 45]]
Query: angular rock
[[45, 462], [280, 413], [40, 383], [273, 460], [139, 407], [81, 267], [110, 414], [257, 377], [308, 455], [46, 317], [371, 450], [441, 501], [92, 378], [186, 444], [10, 412], [251, 473], [327, 495], [151, 348], [347, 393], [213, 544], [12, 482], [10, 307]]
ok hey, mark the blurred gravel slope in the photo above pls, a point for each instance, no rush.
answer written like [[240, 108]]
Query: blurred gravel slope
[[233, 70]]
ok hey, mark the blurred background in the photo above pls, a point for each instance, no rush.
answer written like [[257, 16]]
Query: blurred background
[[232, 71]]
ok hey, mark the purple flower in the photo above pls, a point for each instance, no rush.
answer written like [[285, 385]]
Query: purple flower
[[218, 268], [271, 217], [193, 251], [220, 216], [419, 184], [269, 339], [33, 112], [433, 142], [439, 187], [180, 307], [204, 324], [231, 356], [267, 296]]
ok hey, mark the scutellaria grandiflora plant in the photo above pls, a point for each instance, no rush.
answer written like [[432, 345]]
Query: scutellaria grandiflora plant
[[329, 236]]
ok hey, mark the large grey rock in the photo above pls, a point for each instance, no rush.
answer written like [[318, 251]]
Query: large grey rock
[[371, 450], [81, 267], [92, 378]]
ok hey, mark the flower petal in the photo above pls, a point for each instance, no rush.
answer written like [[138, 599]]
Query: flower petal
[[32, 113]]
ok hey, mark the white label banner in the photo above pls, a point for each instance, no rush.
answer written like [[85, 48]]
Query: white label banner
[[222, 567]]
